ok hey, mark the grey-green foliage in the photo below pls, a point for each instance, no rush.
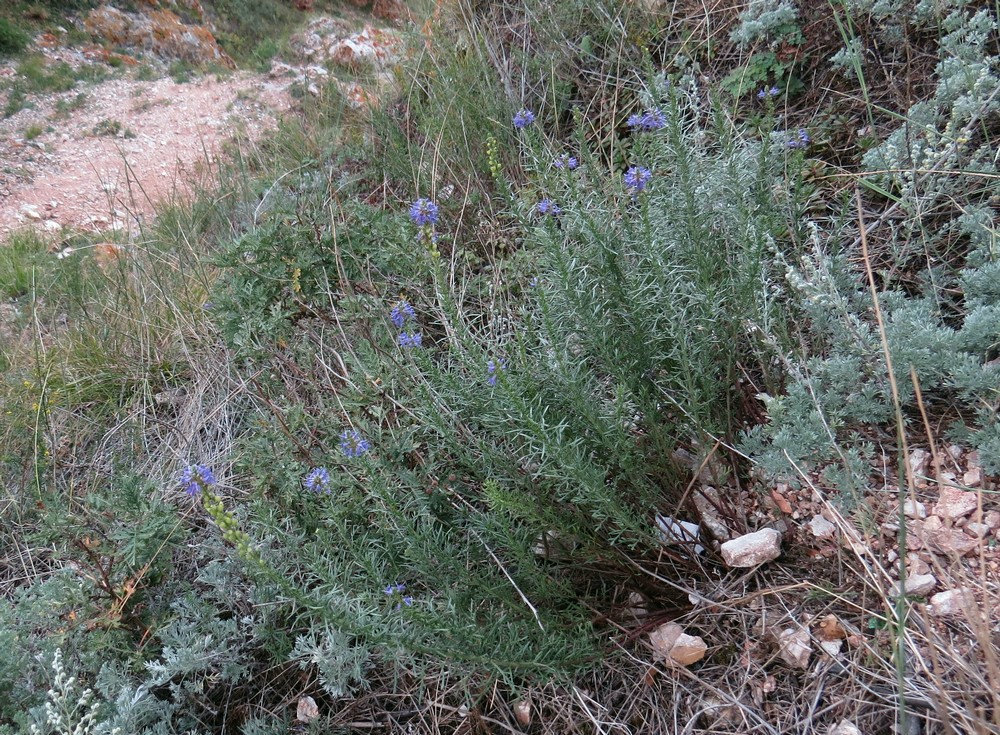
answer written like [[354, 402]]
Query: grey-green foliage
[[338, 661], [767, 21], [487, 500], [944, 321]]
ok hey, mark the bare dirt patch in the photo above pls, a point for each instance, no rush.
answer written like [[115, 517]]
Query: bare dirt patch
[[127, 146]]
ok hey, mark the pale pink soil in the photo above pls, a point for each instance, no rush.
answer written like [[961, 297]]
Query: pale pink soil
[[71, 177]]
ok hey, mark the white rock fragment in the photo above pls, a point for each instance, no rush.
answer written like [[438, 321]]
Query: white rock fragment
[[662, 639], [977, 530], [919, 460], [973, 478], [914, 509], [671, 643], [682, 533], [522, 711], [821, 527], [955, 503], [951, 602], [844, 727], [794, 647], [707, 502], [752, 549], [831, 648], [306, 710], [917, 584]]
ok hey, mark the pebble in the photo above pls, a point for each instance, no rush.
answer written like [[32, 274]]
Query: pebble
[[955, 503], [951, 602], [914, 509], [822, 528], [752, 549], [795, 648]]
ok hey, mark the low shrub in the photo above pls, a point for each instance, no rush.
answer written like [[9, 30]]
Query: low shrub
[[12, 39]]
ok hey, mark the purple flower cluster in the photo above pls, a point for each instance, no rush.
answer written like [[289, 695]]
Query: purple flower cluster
[[523, 118], [196, 478], [353, 444], [493, 367], [424, 212], [799, 139], [401, 314], [637, 178], [649, 120], [318, 481], [766, 93], [399, 588], [548, 207], [566, 161], [409, 340]]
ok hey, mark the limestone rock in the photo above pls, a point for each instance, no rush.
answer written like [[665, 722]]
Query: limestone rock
[[919, 461], [973, 478], [794, 647], [977, 530], [306, 711], [951, 602], [688, 649], [948, 541], [831, 648], [707, 502], [369, 47], [679, 533], [752, 549], [917, 584], [671, 643], [844, 727], [955, 503], [522, 711], [821, 527], [914, 509], [663, 638], [160, 32]]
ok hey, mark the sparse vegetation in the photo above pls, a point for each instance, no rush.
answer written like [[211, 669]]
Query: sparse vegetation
[[13, 40], [397, 422]]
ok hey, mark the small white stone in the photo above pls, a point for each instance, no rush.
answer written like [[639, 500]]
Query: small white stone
[[844, 727], [831, 648], [663, 638], [951, 602], [752, 549], [918, 460], [821, 527], [919, 584], [679, 533], [977, 530], [914, 509], [955, 503], [795, 648]]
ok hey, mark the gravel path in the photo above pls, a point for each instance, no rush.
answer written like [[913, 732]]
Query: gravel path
[[129, 146]]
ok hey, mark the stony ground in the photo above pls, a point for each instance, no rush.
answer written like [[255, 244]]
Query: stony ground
[[103, 156], [131, 145]]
